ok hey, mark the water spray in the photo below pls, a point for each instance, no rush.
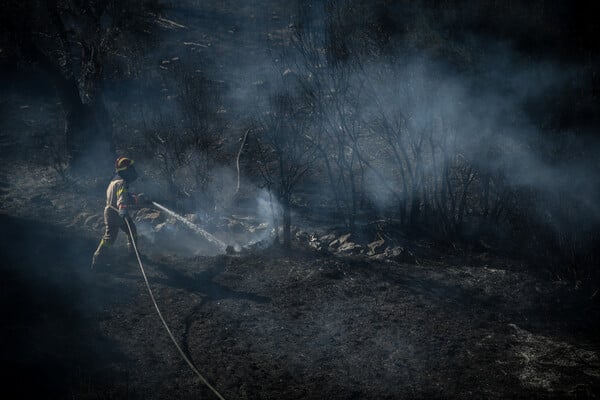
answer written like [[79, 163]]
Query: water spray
[[210, 238]]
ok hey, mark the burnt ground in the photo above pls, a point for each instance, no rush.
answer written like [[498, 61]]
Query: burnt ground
[[270, 325]]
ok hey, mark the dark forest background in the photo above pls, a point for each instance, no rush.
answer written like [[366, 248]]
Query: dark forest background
[[459, 122]]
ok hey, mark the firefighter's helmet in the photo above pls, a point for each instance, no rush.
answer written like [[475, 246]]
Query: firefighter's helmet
[[123, 163]]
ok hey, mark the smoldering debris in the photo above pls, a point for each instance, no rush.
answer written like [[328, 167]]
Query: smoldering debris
[[219, 244], [168, 231]]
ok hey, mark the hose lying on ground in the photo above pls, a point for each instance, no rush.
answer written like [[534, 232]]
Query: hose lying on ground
[[187, 360]]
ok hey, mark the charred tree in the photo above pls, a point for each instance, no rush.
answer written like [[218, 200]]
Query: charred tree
[[287, 149], [72, 44]]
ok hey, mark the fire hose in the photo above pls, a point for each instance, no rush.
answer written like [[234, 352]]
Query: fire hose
[[185, 358]]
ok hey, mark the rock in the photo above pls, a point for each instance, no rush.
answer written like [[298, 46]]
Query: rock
[[375, 246], [315, 245], [396, 251], [339, 241], [89, 220], [400, 254], [315, 242], [95, 221], [262, 226], [327, 238], [350, 248], [344, 238], [149, 215], [165, 227]]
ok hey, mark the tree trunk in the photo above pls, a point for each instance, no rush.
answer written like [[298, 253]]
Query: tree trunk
[[287, 222], [88, 130]]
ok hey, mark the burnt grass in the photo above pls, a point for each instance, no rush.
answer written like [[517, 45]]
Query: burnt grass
[[265, 324], [274, 324]]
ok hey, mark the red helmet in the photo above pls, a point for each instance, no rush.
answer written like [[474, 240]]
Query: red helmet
[[123, 163]]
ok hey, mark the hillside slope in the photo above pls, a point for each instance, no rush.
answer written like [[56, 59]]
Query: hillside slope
[[271, 325]]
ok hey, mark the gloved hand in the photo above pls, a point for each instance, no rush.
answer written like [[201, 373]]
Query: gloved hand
[[122, 212]]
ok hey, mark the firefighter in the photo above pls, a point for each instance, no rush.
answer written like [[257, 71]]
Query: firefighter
[[118, 202]]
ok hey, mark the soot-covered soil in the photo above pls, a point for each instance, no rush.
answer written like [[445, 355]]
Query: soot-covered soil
[[275, 325]]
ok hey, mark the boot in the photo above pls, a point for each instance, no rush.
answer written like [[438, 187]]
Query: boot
[[100, 260], [94, 260], [97, 258]]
